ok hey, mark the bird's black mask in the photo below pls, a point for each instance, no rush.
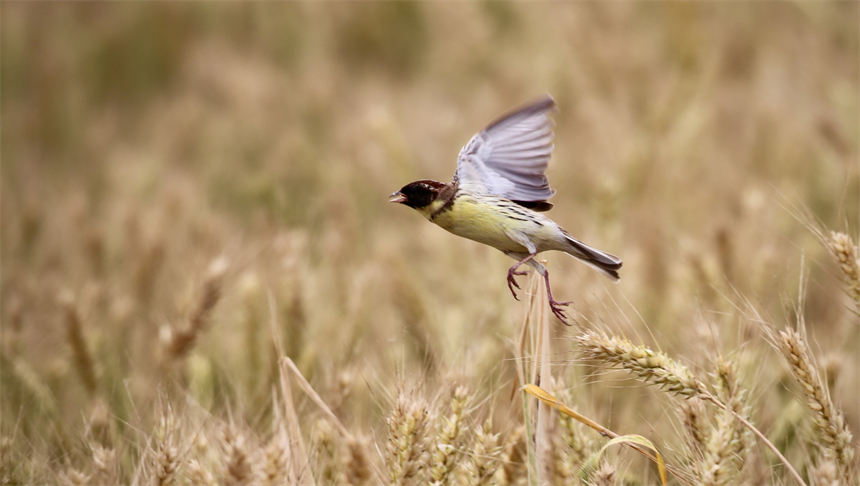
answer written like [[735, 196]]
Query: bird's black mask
[[420, 193]]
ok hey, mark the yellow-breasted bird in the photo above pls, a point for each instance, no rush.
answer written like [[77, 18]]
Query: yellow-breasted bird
[[498, 192]]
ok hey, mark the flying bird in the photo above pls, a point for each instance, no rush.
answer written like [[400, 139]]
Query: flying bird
[[499, 192]]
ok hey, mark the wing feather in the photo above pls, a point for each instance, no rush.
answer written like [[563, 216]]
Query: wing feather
[[510, 156]]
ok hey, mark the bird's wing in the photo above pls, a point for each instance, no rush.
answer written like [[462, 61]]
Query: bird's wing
[[510, 156]]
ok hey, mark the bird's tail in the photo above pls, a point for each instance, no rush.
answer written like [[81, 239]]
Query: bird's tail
[[603, 262]]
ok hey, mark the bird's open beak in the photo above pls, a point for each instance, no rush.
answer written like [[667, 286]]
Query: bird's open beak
[[397, 198]]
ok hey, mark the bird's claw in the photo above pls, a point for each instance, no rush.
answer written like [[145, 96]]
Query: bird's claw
[[512, 282], [559, 312]]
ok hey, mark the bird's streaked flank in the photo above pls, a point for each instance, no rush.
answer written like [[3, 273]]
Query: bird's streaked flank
[[498, 192]]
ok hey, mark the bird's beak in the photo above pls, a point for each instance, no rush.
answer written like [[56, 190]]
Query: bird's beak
[[397, 198]]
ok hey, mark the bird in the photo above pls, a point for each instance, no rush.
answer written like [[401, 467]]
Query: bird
[[499, 194]]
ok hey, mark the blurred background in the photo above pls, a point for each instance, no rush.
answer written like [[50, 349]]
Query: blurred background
[[141, 142]]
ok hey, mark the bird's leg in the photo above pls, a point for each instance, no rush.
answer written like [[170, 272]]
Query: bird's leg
[[556, 307], [512, 282]]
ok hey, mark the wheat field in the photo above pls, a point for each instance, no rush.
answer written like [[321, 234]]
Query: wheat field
[[201, 281]]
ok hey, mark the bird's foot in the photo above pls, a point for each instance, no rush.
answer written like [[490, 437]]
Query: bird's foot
[[512, 282], [557, 309]]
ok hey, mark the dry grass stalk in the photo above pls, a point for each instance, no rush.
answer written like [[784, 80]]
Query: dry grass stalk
[[848, 256], [356, 470], [180, 342], [649, 366], [449, 438], [530, 334], [512, 461], [484, 456], [84, 363], [833, 433], [408, 427], [545, 453], [300, 470]]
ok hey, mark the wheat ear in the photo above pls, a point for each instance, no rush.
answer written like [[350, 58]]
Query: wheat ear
[[834, 436], [657, 368], [180, 343], [848, 256], [408, 425], [447, 448], [649, 366], [726, 450]]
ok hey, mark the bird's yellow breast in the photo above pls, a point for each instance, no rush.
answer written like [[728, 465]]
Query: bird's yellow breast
[[490, 220]]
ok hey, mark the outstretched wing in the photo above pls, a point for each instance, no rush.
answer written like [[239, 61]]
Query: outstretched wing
[[510, 156]]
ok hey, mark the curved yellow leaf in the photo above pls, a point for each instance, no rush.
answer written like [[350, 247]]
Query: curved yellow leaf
[[637, 442]]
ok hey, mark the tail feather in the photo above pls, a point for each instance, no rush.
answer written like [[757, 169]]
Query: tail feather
[[604, 262]]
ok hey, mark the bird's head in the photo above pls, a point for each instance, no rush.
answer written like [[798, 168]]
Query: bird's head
[[418, 194]]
